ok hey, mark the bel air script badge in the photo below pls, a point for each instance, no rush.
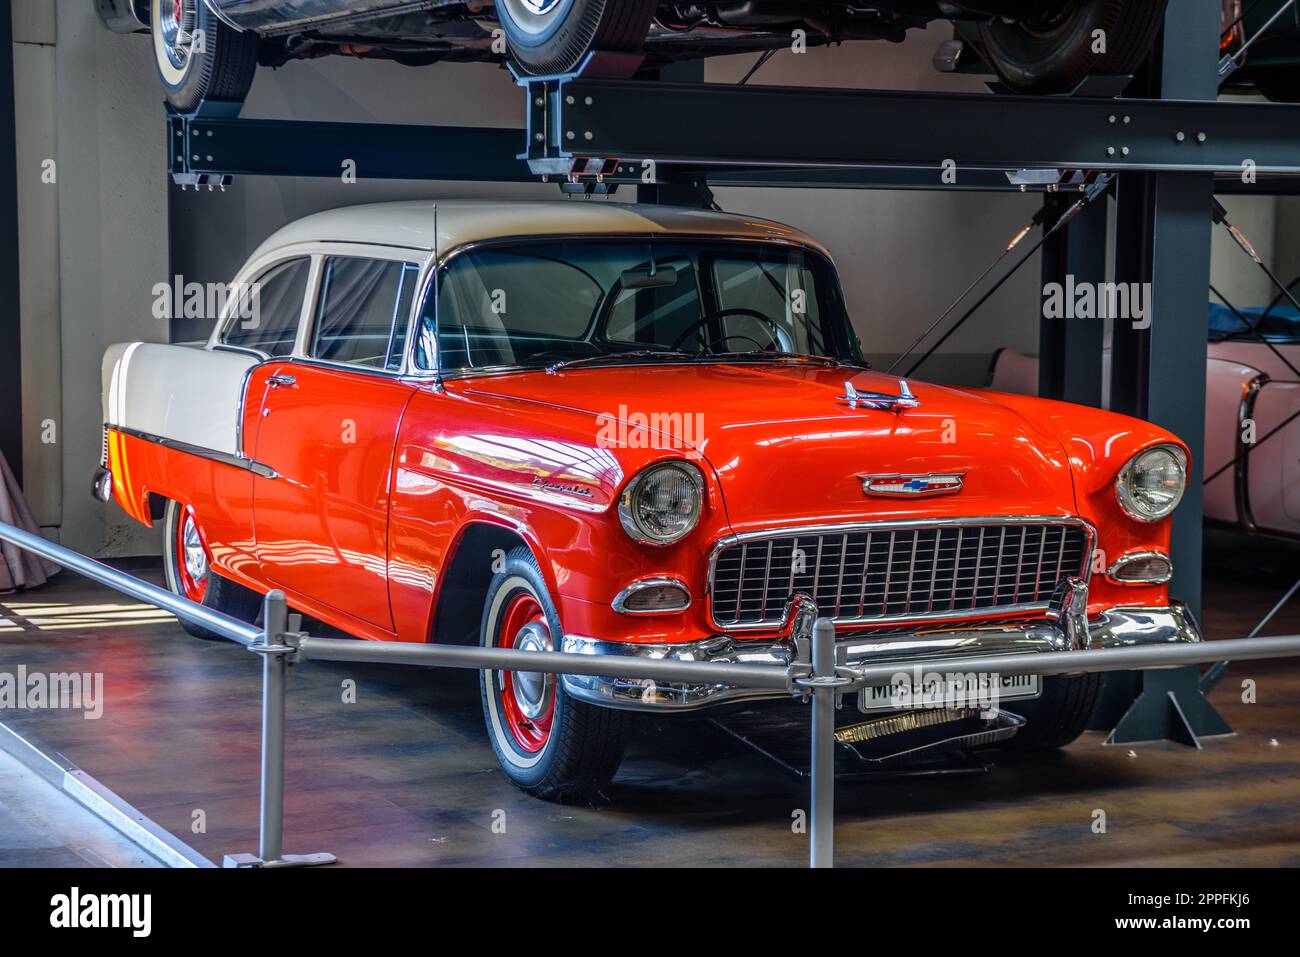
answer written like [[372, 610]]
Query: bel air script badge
[[916, 485]]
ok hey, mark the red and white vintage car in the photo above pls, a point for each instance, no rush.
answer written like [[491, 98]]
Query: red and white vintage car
[[623, 430]]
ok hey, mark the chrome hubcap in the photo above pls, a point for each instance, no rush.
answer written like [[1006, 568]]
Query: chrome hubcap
[[179, 19], [532, 688], [531, 16], [196, 560]]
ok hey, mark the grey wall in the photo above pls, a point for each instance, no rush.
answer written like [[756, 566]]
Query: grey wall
[[91, 245]]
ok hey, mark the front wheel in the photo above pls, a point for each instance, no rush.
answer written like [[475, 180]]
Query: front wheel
[[198, 58], [549, 744], [1054, 49], [1057, 716], [552, 36]]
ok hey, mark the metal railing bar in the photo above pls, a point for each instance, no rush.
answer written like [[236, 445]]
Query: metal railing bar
[[231, 628], [1092, 660], [771, 677]]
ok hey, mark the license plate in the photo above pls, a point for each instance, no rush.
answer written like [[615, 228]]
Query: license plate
[[972, 690]]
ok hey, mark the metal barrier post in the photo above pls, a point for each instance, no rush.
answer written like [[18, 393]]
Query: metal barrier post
[[822, 826], [276, 652]]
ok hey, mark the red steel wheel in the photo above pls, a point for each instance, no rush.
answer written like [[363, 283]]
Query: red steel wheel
[[527, 698]]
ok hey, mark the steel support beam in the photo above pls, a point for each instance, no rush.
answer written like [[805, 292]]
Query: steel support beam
[[1159, 364], [228, 146], [1070, 350], [11, 380], [728, 126]]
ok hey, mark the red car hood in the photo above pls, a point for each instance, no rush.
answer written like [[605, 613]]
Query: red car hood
[[788, 450]]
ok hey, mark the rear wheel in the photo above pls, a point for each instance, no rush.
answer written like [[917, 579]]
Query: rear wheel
[[552, 36], [1054, 50], [188, 572], [199, 59], [1057, 716], [549, 744]]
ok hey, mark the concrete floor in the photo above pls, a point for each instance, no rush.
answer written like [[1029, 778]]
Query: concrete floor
[[40, 826], [404, 776]]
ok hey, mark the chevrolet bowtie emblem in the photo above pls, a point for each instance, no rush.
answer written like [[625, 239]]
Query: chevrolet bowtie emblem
[[881, 400], [916, 485]]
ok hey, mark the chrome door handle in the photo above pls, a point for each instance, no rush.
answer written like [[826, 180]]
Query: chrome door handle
[[281, 379]]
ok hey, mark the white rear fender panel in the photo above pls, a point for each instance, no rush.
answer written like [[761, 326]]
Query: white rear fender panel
[[184, 393]]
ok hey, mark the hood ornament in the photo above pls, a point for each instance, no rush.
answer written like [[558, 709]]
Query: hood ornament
[[881, 400], [935, 483]]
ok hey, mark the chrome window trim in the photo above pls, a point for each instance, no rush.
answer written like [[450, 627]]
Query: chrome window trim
[[619, 604], [212, 455], [1139, 555], [1241, 471], [312, 318], [886, 525], [267, 263], [446, 258]]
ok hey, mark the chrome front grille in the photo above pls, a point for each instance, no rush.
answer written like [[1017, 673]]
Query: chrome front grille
[[884, 572]]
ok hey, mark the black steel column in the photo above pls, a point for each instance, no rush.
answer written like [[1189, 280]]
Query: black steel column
[[11, 383], [1163, 230], [1070, 350]]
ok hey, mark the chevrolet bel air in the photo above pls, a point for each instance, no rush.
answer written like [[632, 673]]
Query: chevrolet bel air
[[624, 430]]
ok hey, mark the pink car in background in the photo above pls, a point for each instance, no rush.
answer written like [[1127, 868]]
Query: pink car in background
[[1250, 394]]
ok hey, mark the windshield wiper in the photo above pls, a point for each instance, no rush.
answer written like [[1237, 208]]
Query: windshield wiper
[[771, 356], [639, 355]]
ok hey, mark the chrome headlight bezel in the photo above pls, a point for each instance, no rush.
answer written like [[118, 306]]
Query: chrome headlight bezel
[[1124, 483], [627, 512]]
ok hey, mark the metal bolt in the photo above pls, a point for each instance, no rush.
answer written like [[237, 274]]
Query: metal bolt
[[1180, 136], [209, 158], [1125, 151], [538, 102], [1128, 119], [569, 100], [1201, 137], [570, 135], [589, 101], [1112, 118], [1110, 151], [538, 137], [587, 135]]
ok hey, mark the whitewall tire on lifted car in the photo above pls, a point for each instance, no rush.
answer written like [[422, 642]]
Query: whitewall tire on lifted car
[[549, 744], [198, 58]]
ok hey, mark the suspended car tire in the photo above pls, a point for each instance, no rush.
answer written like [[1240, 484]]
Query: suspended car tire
[[550, 745], [552, 36], [188, 573], [199, 59], [1057, 716], [1054, 50]]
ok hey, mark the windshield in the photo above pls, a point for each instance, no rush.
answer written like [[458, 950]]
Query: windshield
[[550, 302]]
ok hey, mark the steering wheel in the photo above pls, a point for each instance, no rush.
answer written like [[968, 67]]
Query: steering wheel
[[708, 317]]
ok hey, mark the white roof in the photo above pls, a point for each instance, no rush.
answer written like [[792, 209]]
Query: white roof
[[466, 221]]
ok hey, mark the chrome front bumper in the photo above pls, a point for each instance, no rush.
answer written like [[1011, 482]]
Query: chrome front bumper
[[1066, 628]]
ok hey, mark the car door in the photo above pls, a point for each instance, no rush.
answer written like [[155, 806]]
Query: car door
[[327, 427]]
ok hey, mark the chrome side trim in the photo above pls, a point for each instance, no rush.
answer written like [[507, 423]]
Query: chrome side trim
[[619, 603], [740, 538], [212, 455], [1241, 471], [1140, 555]]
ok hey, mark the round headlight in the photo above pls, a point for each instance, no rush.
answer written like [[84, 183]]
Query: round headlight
[[1151, 485], [662, 504]]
